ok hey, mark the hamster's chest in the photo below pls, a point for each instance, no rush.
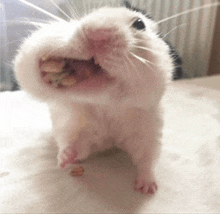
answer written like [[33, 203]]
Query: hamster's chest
[[109, 116], [113, 119]]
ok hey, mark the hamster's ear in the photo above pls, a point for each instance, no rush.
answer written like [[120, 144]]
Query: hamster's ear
[[129, 6]]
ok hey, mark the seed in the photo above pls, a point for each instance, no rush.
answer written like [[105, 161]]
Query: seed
[[69, 81], [48, 77], [77, 171], [52, 66], [45, 58]]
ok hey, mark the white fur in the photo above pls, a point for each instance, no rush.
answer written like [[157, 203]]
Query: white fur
[[128, 111]]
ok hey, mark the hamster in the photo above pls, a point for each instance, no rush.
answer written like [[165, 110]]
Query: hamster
[[103, 77]]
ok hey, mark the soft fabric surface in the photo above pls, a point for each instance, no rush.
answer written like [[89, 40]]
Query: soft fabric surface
[[188, 171]]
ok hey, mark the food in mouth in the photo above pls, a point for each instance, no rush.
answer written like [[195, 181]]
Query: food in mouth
[[68, 72]]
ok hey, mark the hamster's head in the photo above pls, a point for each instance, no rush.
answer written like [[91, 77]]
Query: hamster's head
[[111, 54]]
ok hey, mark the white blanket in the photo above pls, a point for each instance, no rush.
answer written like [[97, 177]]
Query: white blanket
[[188, 171]]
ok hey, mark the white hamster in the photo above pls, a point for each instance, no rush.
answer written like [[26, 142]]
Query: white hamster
[[102, 76]]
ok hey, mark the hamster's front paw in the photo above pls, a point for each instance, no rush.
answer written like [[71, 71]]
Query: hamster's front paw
[[73, 154], [145, 185], [67, 156]]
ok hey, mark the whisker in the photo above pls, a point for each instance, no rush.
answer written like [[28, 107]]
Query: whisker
[[11, 42], [41, 10], [139, 58], [89, 6], [73, 10], [62, 11], [132, 3], [112, 3], [132, 64], [84, 7], [102, 5], [98, 5], [144, 61], [94, 5], [147, 49], [189, 11], [13, 22], [163, 36], [175, 28], [8, 65]]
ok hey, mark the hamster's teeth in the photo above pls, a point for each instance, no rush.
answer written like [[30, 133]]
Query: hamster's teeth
[[52, 66]]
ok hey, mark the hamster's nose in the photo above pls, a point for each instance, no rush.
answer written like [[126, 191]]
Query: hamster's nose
[[99, 40], [99, 34]]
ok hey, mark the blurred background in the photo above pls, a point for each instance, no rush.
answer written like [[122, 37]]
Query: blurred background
[[195, 35]]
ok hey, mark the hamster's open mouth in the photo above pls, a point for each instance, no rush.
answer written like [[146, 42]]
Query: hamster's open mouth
[[67, 72]]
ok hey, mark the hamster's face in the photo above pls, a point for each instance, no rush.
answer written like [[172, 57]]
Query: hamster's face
[[108, 54]]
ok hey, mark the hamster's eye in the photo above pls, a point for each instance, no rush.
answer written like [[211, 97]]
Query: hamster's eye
[[139, 24]]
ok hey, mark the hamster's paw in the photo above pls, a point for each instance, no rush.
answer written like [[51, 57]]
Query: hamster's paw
[[145, 186], [67, 156]]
